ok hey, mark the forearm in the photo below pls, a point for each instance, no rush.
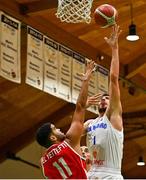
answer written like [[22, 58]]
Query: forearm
[[114, 69], [114, 90], [82, 98]]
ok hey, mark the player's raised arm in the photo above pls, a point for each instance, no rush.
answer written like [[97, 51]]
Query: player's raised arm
[[114, 109], [74, 133]]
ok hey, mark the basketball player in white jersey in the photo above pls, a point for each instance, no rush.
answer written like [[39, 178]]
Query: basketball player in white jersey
[[105, 133]]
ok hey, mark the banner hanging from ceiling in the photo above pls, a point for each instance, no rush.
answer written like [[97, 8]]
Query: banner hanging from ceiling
[[102, 79], [34, 68], [10, 29], [65, 68], [51, 64], [78, 68]]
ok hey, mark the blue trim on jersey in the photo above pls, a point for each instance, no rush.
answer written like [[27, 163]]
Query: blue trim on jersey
[[94, 140], [94, 127]]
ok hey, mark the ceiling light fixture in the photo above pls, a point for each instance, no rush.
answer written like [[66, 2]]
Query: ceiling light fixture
[[132, 28], [140, 161]]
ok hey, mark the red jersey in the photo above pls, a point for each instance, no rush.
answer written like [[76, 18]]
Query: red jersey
[[61, 161]]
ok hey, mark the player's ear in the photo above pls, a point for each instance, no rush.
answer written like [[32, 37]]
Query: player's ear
[[53, 138]]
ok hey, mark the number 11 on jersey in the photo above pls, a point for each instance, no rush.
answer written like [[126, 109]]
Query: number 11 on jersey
[[61, 162]]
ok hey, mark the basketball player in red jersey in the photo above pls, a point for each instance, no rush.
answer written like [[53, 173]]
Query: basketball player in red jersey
[[63, 157]]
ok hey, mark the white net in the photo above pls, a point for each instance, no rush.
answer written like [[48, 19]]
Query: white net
[[74, 11]]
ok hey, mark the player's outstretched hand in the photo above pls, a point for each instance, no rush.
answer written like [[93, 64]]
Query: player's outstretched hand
[[113, 39], [93, 100], [89, 69]]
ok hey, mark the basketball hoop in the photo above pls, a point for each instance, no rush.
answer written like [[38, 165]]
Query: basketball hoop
[[74, 11]]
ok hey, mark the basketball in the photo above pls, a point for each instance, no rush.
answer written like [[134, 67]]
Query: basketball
[[105, 15]]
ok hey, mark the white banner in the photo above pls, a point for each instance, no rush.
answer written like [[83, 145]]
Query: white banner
[[34, 71], [77, 69], [10, 48], [65, 67], [102, 79], [51, 66]]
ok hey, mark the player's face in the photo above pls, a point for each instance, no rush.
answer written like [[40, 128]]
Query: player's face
[[60, 135], [103, 104], [85, 151]]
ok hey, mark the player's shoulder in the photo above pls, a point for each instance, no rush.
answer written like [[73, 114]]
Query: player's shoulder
[[88, 122]]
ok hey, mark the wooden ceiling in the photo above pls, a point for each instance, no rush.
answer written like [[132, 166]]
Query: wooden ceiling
[[23, 108]]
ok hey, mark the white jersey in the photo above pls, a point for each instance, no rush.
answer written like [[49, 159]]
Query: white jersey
[[105, 145]]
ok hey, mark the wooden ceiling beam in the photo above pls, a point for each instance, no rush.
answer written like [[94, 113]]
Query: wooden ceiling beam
[[135, 66], [58, 115], [136, 71], [12, 8], [140, 82], [135, 134], [37, 7], [26, 1], [20, 141], [132, 115]]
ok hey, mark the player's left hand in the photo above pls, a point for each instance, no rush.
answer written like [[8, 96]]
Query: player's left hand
[[93, 100], [89, 69], [113, 39]]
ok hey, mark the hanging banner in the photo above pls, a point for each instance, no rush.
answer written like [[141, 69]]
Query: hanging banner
[[78, 68], [10, 48], [102, 79], [34, 71], [51, 66], [65, 67]]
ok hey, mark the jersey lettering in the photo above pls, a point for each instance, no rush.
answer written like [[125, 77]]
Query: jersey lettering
[[61, 162], [94, 140], [97, 126]]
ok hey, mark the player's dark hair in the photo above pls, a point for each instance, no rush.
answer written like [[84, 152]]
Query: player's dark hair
[[105, 94], [42, 135]]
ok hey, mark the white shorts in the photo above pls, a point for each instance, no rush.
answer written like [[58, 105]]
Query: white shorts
[[104, 173]]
